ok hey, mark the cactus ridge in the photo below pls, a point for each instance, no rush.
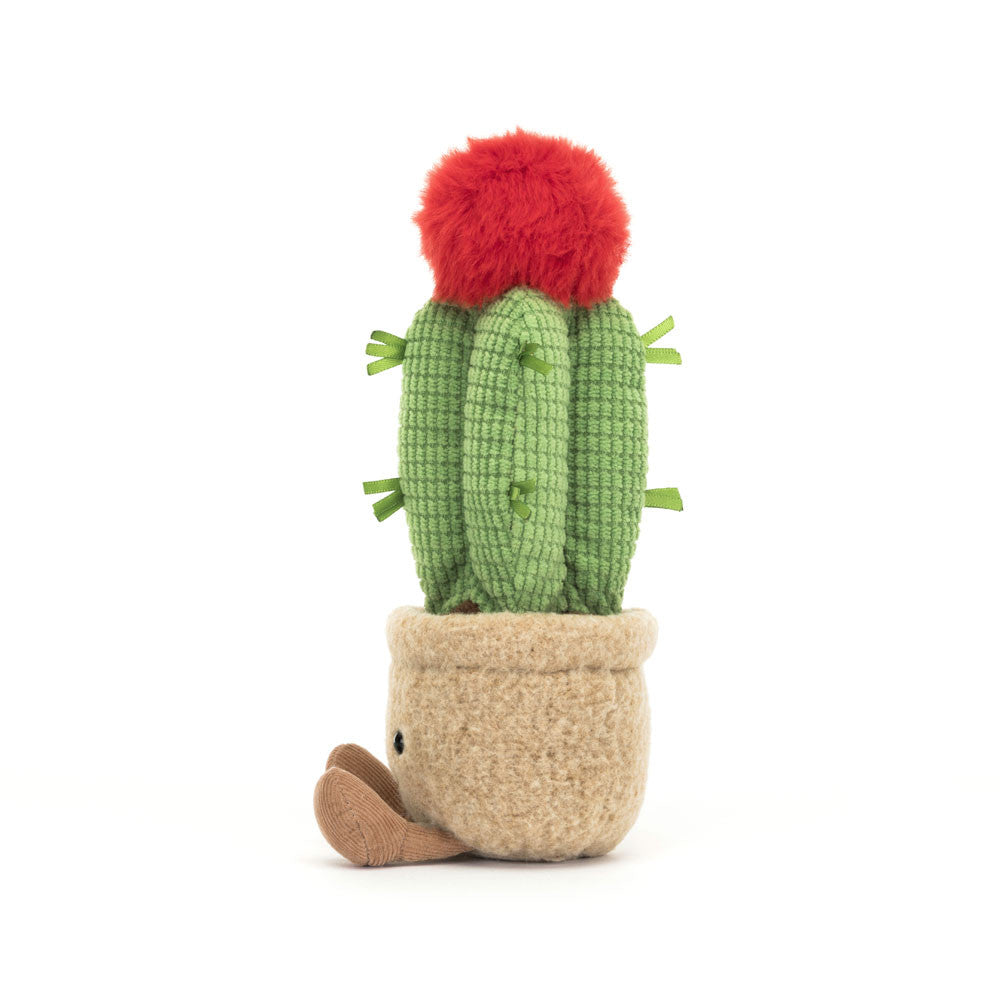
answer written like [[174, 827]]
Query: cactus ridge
[[608, 459]]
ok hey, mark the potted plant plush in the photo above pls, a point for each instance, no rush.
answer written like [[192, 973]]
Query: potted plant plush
[[518, 721]]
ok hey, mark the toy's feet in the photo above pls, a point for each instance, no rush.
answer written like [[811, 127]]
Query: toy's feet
[[359, 762], [359, 824]]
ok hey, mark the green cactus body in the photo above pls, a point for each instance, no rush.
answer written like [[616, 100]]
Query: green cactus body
[[523, 453], [607, 457], [438, 346], [517, 431]]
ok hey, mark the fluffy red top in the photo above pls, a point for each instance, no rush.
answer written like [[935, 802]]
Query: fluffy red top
[[522, 209]]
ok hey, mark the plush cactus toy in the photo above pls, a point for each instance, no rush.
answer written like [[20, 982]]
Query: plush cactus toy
[[518, 721]]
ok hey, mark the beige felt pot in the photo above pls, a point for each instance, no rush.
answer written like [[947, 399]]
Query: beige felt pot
[[526, 736]]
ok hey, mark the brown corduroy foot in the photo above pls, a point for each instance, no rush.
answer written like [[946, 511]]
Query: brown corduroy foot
[[359, 762], [361, 826]]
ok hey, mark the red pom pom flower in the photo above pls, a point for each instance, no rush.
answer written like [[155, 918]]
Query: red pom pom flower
[[522, 209]]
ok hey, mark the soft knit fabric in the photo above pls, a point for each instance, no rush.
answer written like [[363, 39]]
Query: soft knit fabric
[[522, 209], [474, 421], [438, 347], [524, 736], [607, 456], [533, 642], [516, 428]]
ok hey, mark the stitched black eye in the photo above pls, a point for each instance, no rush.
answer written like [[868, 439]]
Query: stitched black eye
[[397, 741]]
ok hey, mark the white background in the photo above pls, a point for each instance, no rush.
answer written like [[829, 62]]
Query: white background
[[206, 208]]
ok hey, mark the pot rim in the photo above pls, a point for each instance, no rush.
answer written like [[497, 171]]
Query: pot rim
[[532, 642]]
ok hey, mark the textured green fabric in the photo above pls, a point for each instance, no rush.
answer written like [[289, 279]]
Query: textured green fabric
[[392, 353], [608, 452], [517, 428], [667, 498], [660, 330], [517, 492], [660, 355], [387, 506], [529, 360], [439, 343], [524, 482]]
